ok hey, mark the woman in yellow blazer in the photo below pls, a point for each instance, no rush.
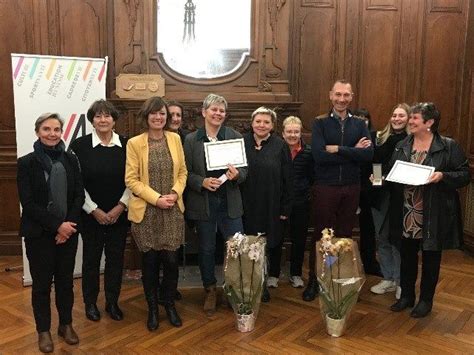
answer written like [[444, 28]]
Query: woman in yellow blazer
[[156, 174]]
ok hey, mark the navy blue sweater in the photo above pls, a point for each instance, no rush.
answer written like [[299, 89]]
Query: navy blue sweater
[[343, 167]]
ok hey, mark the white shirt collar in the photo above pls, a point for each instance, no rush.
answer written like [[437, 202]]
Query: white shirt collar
[[113, 142]]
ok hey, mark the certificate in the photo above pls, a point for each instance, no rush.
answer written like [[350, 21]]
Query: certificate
[[410, 173], [219, 154]]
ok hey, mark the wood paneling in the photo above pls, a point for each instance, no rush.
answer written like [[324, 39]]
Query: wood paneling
[[82, 28], [313, 77], [391, 50], [380, 56], [442, 66]]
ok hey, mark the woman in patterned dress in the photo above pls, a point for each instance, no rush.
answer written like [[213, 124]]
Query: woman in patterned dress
[[426, 217], [156, 174]]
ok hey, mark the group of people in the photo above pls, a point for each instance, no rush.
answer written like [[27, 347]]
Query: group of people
[[159, 178]]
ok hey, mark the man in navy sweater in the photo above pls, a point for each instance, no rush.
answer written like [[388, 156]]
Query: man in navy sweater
[[340, 143]]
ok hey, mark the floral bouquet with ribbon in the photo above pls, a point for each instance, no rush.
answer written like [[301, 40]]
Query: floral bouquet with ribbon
[[340, 276], [244, 274]]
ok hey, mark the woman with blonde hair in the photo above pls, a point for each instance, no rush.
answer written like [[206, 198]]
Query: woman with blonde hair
[[303, 179], [389, 256], [268, 191]]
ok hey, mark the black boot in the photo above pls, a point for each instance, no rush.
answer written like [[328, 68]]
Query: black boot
[[312, 290], [265, 294], [152, 321], [173, 315]]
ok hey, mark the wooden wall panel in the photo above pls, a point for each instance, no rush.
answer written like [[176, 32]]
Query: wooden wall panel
[[379, 59], [315, 57], [82, 28], [442, 65], [15, 36]]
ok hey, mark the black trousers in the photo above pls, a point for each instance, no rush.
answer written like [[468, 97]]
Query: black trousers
[[298, 228], [47, 261], [274, 259], [367, 233], [110, 239], [431, 262], [151, 261]]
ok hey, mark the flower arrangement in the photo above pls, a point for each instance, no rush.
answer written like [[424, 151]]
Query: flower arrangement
[[244, 273], [340, 275]]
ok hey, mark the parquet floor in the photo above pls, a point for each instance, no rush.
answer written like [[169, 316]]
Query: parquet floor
[[285, 325]]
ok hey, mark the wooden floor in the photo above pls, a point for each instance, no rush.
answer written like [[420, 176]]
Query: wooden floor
[[285, 325]]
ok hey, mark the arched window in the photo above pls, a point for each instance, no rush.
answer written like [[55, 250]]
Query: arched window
[[204, 38]]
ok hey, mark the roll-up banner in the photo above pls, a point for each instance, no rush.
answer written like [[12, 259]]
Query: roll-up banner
[[64, 85]]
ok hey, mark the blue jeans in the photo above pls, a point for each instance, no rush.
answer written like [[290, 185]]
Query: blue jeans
[[389, 255], [218, 219]]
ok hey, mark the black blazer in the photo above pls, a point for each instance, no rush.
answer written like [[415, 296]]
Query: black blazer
[[36, 221]]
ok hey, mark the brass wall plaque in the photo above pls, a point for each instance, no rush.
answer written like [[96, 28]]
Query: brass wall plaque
[[139, 86]]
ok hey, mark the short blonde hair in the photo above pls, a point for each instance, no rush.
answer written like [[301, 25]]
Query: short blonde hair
[[262, 110], [292, 120]]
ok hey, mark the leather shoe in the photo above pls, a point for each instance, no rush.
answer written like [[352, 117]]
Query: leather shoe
[[422, 309], [311, 291], [67, 332], [173, 315], [114, 311], [45, 343], [92, 312], [266, 295], [402, 304]]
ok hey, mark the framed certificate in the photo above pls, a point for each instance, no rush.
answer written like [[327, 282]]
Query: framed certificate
[[219, 154], [409, 173]]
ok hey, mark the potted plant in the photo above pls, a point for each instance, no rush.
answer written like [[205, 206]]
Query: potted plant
[[340, 278], [244, 276]]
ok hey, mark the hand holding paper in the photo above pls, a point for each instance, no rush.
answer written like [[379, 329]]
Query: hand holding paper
[[410, 174]]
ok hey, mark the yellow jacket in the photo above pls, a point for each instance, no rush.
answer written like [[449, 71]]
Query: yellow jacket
[[137, 179]]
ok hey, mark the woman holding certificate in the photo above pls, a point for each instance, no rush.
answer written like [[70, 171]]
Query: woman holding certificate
[[213, 197], [426, 217], [268, 190], [156, 174]]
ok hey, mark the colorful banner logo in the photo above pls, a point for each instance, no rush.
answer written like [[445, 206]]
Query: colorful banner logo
[[65, 85]]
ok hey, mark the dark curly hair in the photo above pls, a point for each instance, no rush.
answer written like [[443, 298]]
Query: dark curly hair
[[428, 111]]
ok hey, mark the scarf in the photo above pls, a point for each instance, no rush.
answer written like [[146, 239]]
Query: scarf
[[52, 162]]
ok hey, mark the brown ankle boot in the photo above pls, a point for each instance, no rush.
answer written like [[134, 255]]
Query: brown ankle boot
[[45, 343], [210, 301], [67, 332]]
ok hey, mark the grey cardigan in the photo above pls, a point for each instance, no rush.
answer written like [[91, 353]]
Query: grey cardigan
[[197, 202]]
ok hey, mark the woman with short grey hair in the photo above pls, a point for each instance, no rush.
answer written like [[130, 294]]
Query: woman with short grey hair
[[211, 203]]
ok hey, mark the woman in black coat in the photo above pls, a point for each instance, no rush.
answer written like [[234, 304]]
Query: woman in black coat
[[268, 191], [51, 195], [426, 217]]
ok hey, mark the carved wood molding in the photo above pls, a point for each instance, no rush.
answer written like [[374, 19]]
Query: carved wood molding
[[446, 6], [317, 3]]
